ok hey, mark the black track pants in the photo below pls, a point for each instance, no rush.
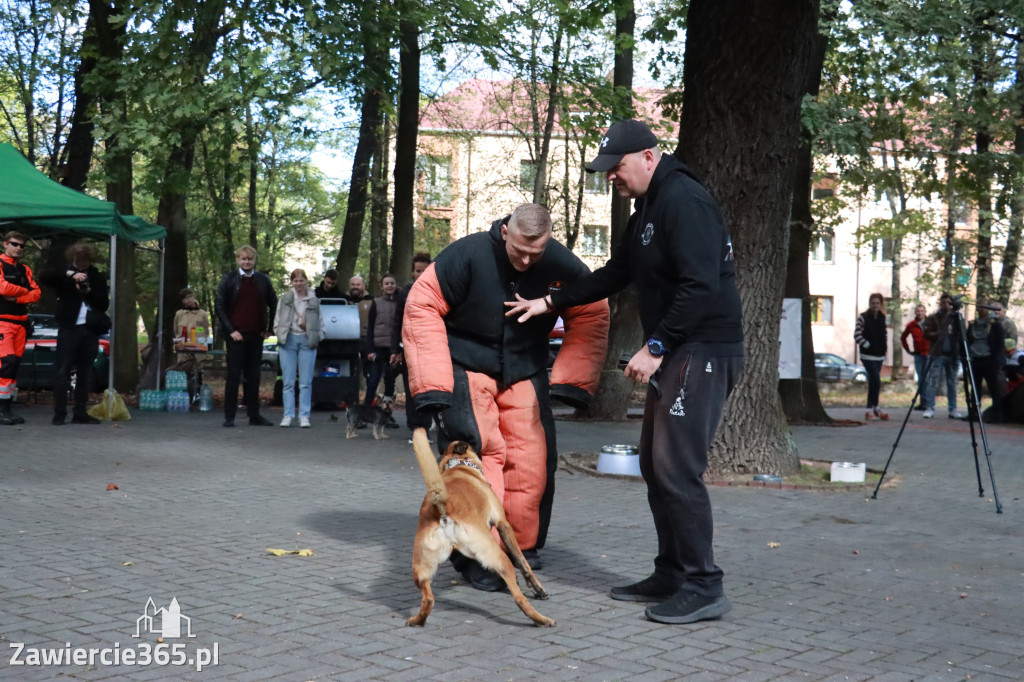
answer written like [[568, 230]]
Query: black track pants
[[678, 429]]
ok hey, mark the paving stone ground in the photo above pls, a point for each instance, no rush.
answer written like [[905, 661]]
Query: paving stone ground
[[924, 583]]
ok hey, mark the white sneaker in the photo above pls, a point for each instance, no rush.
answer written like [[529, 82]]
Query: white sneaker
[[929, 413], [287, 421], [956, 414], [304, 422]]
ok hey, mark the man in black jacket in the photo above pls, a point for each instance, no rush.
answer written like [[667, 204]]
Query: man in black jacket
[[678, 252], [80, 286], [485, 376], [245, 306]]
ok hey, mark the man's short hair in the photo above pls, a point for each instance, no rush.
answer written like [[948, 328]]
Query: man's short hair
[[247, 249], [421, 257], [81, 250], [332, 274], [530, 220], [185, 293], [14, 234]]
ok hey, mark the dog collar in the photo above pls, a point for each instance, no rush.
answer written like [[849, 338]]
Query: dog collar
[[454, 462]]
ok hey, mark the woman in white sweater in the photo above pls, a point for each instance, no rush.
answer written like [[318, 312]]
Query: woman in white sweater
[[298, 329]]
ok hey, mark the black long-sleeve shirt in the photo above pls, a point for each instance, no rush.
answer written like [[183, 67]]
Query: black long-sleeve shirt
[[677, 250]]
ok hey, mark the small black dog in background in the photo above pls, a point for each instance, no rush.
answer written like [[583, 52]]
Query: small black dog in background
[[378, 416]]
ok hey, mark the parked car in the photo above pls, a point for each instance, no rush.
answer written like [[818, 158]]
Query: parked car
[[39, 363], [555, 341], [270, 359], [831, 367]]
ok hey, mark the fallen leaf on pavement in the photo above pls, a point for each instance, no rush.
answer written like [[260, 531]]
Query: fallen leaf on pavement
[[773, 545], [282, 552], [112, 486]]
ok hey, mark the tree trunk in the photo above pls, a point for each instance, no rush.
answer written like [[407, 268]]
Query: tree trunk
[[1011, 255], [80, 140], [355, 217], [953, 204], [540, 180], [801, 399], [614, 393], [172, 214], [253, 158], [379, 209], [404, 225], [740, 131]]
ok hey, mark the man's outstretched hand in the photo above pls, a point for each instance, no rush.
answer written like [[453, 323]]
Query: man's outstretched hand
[[526, 309]]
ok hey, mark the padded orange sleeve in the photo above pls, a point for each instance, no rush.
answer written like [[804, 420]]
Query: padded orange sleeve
[[581, 357], [425, 338]]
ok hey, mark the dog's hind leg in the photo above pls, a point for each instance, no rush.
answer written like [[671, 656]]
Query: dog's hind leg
[[426, 603], [509, 538], [424, 566], [489, 554]]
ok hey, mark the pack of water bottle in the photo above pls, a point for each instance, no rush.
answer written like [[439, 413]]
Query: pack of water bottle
[[178, 401], [175, 381], [153, 401]]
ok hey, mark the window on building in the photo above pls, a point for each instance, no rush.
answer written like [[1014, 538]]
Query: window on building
[[821, 247], [435, 175], [594, 240], [881, 250], [437, 234], [527, 174], [821, 310], [595, 183], [822, 192]]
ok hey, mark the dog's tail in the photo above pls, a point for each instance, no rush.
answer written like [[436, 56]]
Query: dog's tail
[[436, 492]]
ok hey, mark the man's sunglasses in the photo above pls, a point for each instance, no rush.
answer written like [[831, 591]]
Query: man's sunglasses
[[20, 245]]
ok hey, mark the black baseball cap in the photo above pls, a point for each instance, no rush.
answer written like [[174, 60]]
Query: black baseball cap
[[624, 137]]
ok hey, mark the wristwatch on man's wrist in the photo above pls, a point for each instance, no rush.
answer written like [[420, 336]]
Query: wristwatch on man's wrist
[[656, 347]]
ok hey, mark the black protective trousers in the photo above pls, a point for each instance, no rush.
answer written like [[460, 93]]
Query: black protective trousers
[[678, 428]]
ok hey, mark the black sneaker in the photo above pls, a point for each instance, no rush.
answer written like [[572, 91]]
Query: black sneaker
[[260, 420], [533, 558], [652, 588], [483, 579], [688, 607], [58, 419], [228, 423], [84, 419]]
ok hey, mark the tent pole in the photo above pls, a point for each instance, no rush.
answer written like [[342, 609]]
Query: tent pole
[[160, 314], [113, 309]]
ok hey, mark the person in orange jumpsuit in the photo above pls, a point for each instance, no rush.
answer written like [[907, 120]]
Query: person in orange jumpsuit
[[486, 376], [18, 288]]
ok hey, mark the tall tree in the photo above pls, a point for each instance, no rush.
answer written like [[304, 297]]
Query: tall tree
[[744, 80], [403, 226], [614, 392], [800, 397]]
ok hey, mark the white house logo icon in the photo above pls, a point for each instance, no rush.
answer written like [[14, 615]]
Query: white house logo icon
[[170, 621]]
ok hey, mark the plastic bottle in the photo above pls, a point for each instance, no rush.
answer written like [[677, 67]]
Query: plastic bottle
[[205, 398]]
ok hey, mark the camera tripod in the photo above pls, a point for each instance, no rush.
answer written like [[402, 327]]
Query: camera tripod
[[973, 406]]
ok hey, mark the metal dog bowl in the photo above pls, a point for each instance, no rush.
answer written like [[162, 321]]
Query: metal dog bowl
[[619, 459]]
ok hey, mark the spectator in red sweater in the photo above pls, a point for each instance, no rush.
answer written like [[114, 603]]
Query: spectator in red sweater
[[919, 349]]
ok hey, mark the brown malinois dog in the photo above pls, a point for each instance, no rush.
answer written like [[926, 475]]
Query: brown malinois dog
[[457, 513]]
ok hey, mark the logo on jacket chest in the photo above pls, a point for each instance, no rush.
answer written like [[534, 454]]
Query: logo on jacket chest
[[647, 234]]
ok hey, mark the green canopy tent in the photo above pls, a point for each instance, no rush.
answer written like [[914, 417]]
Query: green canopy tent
[[36, 205]]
